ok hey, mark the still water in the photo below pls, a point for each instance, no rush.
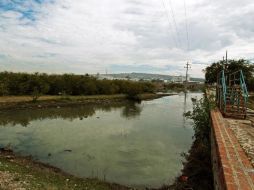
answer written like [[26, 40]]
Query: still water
[[132, 144]]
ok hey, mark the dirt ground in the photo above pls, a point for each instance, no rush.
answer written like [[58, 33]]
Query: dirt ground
[[22, 173], [8, 181]]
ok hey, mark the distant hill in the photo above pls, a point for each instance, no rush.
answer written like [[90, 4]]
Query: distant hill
[[197, 79], [142, 76], [148, 76]]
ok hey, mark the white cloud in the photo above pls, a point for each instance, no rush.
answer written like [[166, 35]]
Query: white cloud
[[92, 35]]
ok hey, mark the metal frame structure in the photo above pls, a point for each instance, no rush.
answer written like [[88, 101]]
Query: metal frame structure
[[232, 94]]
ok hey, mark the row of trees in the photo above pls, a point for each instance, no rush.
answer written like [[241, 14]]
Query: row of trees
[[37, 84], [232, 66]]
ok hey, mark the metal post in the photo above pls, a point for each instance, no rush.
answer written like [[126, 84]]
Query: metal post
[[187, 69]]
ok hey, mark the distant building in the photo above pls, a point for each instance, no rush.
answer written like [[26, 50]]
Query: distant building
[[101, 77], [167, 79]]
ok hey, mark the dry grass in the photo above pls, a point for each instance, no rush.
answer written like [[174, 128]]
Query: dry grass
[[9, 99], [9, 181], [251, 102], [18, 99]]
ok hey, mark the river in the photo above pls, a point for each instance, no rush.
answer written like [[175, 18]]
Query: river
[[138, 145]]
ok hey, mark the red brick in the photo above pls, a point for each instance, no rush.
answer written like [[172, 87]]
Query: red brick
[[231, 157], [231, 187]]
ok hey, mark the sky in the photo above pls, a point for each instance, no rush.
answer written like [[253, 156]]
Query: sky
[[149, 36]]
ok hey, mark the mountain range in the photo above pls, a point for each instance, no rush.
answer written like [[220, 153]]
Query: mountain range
[[148, 76]]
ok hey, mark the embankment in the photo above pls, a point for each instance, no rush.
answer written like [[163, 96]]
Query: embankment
[[25, 102], [20, 173]]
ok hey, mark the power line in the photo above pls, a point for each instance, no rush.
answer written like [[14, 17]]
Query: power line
[[186, 26], [174, 20], [169, 23]]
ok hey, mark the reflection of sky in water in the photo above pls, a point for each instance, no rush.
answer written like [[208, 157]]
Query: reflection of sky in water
[[137, 145]]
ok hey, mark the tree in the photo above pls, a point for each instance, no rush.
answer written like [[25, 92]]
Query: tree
[[43, 84], [37, 87], [134, 89], [3, 89], [232, 66], [212, 71]]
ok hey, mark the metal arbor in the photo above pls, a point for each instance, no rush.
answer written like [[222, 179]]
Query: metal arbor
[[232, 94]]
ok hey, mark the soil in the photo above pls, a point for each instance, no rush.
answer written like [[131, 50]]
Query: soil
[[21, 173], [13, 104]]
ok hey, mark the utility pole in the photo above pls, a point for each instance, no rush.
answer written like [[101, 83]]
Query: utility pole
[[226, 56], [223, 63], [187, 69], [226, 59]]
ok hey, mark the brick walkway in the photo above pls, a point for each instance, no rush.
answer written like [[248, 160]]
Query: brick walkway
[[234, 168], [244, 132]]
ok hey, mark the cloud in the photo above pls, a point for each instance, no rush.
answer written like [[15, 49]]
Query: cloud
[[92, 36]]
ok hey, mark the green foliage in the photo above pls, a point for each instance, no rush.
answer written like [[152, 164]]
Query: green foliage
[[174, 86], [201, 118], [198, 166], [67, 84], [232, 66], [3, 89], [37, 86], [178, 87], [197, 171], [212, 71]]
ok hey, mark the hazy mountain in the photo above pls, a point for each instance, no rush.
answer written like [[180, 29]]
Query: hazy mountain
[[149, 76]]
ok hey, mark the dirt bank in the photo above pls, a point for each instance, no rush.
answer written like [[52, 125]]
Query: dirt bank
[[25, 102], [20, 173]]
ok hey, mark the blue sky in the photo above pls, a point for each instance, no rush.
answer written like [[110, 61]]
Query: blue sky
[[91, 36], [28, 9]]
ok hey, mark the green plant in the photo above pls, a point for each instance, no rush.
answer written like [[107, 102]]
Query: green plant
[[201, 118], [197, 168], [230, 67], [38, 84]]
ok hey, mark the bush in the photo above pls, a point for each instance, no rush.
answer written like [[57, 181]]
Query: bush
[[197, 171], [69, 84]]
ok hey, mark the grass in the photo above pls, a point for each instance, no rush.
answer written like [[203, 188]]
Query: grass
[[23, 173]]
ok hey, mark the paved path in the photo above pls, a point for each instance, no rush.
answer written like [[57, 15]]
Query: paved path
[[233, 166], [244, 132]]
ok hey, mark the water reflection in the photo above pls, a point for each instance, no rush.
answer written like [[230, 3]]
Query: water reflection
[[138, 145], [24, 117], [131, 110]]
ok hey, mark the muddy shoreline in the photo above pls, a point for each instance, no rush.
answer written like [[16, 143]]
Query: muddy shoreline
[[73, 101], [8, 156]]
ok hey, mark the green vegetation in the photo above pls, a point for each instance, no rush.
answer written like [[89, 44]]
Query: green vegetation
[[178, 87], [198, 166], [38, 84], [232, 66], [197, 172]]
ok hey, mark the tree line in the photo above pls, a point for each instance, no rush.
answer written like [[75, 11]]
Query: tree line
[[37, 84], [230, 67]]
